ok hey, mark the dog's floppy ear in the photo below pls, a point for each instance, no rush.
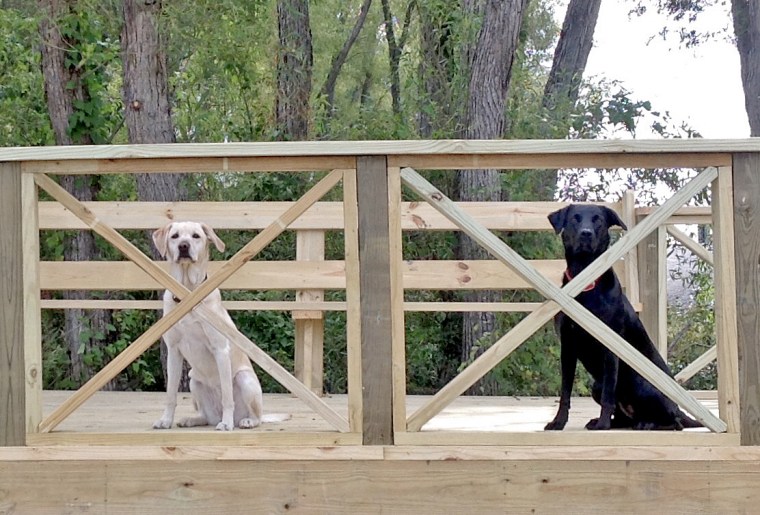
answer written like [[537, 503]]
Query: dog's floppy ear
[[160, 239], [558, 219], [211, 235], [613, 218]]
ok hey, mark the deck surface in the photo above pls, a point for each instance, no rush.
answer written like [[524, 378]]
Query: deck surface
[[135, 412]]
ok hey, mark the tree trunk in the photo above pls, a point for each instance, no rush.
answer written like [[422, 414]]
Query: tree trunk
[[328, 90], [294, 70], [562, 86], [570, 57], [147, 105], [746, 14], [394, 57], [83, 331], [485, 119]]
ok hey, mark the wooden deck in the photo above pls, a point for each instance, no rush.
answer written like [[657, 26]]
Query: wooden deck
[[126, 418], [481, 455]]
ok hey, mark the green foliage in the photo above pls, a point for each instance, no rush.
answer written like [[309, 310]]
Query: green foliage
[[23, 113], [94, 55], [222, 81], [691, 325]]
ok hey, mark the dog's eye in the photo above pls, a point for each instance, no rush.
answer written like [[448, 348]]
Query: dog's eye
[[596, 219], [175, 235], [577, 217], [196, 235]]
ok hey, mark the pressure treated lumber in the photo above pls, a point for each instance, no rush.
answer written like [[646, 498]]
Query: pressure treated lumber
[[12, 338], [564, 297]]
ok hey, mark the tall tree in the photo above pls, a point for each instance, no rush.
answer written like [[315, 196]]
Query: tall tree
[[294, 70], [746, 14], [570, 58], [67, 81], [561, 90], [147, 104], [490, 72], [328, 89]]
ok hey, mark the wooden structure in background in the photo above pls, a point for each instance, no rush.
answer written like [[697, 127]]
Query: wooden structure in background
[[374, 456]]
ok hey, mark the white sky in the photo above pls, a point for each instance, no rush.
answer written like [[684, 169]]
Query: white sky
[[701, 86]]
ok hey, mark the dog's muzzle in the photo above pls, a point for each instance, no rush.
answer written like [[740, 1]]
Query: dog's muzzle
[[586, 240], [183, 251]]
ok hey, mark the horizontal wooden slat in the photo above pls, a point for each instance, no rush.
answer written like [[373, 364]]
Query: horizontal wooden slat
[[312, 307], [527, 161], [231, 305], [189, 164], [501, 216], [517, 216], [381, 147], [293, 275]]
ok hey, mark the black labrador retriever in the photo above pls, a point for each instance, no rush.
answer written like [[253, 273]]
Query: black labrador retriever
[[627, 399]]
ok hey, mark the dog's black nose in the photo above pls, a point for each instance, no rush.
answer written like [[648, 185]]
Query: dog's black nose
[[184, 249], [586, 234]]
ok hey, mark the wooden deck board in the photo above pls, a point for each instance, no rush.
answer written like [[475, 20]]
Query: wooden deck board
[[135, 412]]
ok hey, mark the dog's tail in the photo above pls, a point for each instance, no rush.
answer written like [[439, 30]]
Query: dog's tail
[[275, 417]]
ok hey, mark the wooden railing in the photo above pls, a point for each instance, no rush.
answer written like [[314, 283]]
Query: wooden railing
[[373, 273]]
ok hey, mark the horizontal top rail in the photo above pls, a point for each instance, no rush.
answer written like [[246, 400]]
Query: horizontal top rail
[[385, 147]]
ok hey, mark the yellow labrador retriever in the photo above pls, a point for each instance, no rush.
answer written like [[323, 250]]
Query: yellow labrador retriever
[[224, 386]]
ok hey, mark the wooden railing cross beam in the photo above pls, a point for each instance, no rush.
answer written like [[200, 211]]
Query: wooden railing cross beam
[[564, 296]]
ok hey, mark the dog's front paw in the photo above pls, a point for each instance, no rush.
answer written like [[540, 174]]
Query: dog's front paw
[[162, 424], [597, 424], [221, 426], [555, 425]]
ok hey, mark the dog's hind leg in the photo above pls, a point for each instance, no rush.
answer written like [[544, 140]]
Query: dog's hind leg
[[248, 400], [209, 411]]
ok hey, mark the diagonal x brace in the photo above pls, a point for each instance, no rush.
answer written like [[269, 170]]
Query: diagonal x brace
[[564, 296]]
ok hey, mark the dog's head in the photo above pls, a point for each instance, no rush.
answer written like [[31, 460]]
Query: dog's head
[[186, 242], [585, 227]]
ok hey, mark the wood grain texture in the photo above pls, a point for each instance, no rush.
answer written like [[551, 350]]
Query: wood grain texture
[[374, 273], [652, 252], [12, 297], [32, 303], [398, 325], [450, 484], [504, 216], [309, 325], [353, 303], [746, 187], [725, 299], [718, 147]]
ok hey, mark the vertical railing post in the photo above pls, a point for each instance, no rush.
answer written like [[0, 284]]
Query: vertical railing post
[[353, 308], [397, 299], [725, 298], [628, 208], [652, 263], [746, 190], [12, 365], [30, 236], [310, 324], [375, 283]]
